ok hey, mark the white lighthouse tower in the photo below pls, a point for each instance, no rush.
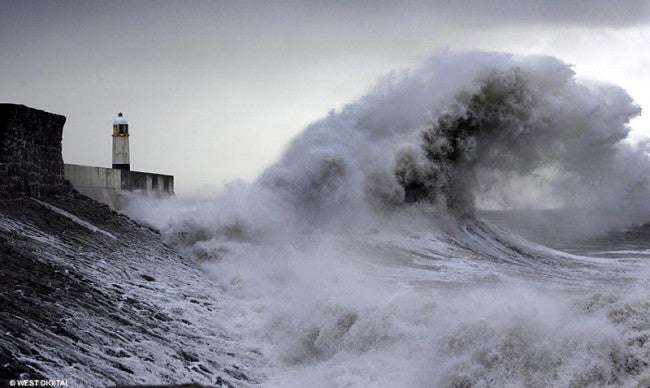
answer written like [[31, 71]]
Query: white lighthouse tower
[[121, 143]]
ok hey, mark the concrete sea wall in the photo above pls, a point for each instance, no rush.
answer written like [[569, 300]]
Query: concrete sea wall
[[108, 185], [101, 184]]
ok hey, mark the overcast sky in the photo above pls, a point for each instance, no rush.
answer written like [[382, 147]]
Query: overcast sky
[[214, 90]]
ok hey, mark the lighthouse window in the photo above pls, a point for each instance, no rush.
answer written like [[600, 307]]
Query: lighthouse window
[[122, 129]]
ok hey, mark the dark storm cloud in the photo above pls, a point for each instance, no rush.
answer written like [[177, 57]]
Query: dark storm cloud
[[194, 33], [288, 16]]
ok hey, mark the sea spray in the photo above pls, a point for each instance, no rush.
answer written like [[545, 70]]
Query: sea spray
[[358, 260]]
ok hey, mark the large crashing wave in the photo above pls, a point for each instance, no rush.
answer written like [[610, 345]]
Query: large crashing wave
[[491, 128], [349, 253], [458, 126]]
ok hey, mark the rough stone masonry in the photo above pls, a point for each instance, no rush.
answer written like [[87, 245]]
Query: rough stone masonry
[[30, 152]]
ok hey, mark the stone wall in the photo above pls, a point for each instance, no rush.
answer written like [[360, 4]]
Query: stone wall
[[30, 152]]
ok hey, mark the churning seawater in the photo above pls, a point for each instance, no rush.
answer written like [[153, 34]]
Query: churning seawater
[[359, 259]]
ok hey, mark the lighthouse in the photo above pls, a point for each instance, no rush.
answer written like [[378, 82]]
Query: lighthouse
[[109, 185], [121, 143]]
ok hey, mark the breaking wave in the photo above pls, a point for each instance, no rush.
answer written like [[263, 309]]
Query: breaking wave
[[358, 259]]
